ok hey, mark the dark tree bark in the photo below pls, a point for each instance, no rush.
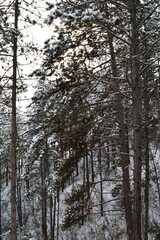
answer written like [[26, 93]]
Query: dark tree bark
[[44, 195], [87, 177], [146, 145], [58, 208], [19, 196], [54, 217], [84, 181], [51, 217], [123, 146], [27, 179], [108, 155], [92, 166], [137, 105], [101, 179], [14, 131], [147, 167], [7, 174]]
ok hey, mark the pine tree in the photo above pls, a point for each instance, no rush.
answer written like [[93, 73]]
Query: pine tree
[[90, 94], [13, 49]]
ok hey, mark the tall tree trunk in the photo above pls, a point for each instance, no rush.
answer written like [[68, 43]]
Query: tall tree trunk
[[147, 178], [51, 216], [58, 208], [44, 202], [137, 102], [123, 145], [14, 130], [101, 179], [46, 169], [146, 144]]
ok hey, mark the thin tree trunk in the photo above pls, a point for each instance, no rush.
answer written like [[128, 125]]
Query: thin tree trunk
[[113, 151], [84, 181], [14, 131], [51, 217], [156, 177], [54, 217], [108, 155], [7, 174], [46, 174], [146, 147], [58, 208], [44, 217], [54, 209], [92, 166], [147, 179], [101, 182], [19, 196], [87, 178], [27, 179]]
